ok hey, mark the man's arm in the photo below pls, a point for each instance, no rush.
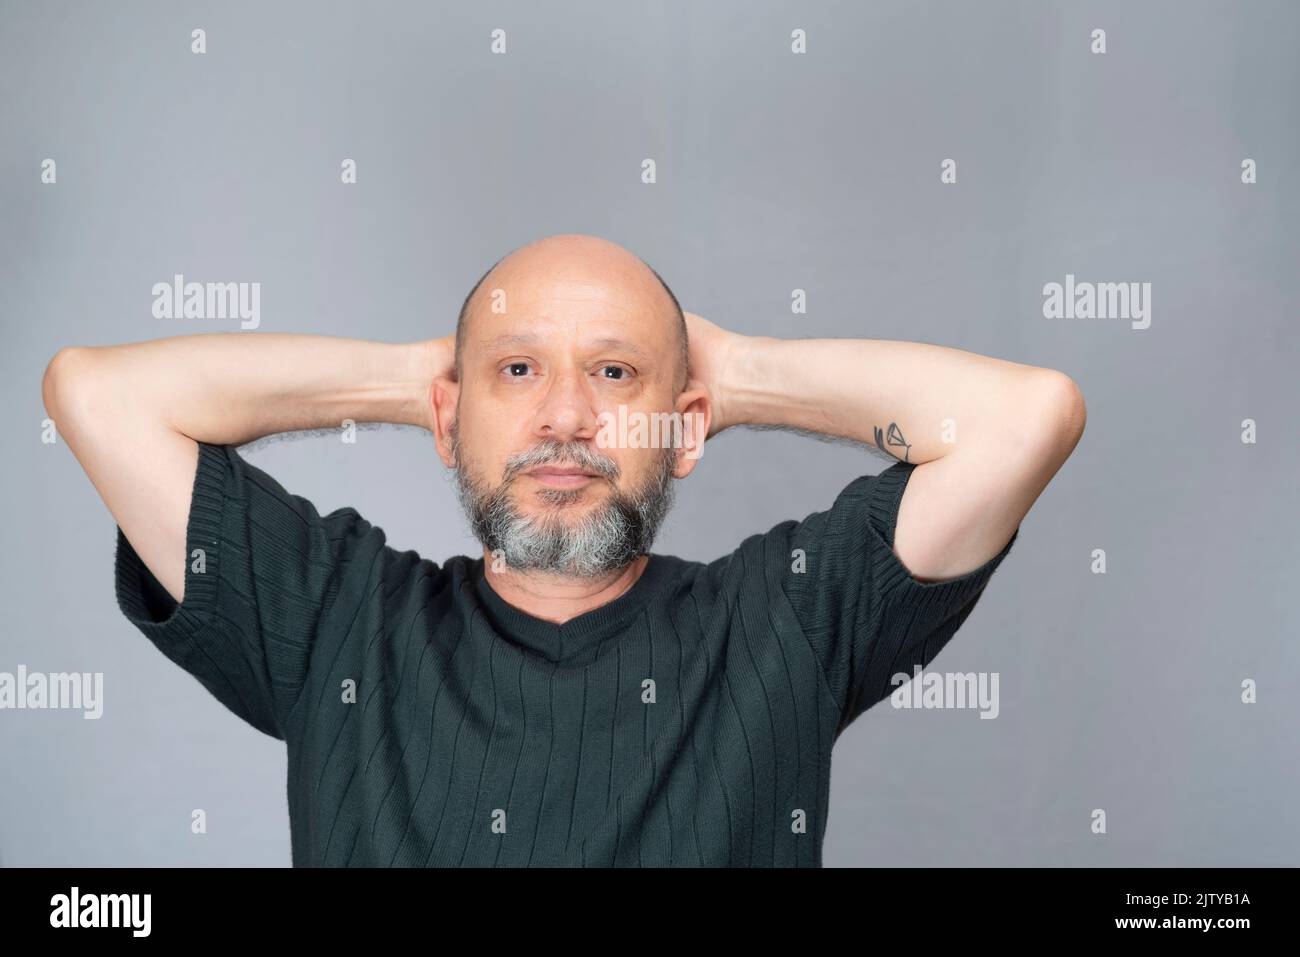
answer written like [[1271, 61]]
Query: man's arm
[[987, 435], [133, 414]]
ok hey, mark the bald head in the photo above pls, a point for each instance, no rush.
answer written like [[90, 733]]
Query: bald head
[[604, 269]]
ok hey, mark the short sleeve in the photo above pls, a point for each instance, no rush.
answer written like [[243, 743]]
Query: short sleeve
[[864, 614], [262, 574]]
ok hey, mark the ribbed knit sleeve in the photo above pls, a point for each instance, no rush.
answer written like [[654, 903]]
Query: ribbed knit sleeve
[[865, 615], [262, 572]]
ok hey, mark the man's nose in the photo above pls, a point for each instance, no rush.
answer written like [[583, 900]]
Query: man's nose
[[566, 411]]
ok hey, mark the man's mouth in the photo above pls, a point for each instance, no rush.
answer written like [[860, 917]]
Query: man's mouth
[[561, 476]]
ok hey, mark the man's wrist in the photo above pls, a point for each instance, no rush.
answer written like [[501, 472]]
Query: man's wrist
[[741, 377]]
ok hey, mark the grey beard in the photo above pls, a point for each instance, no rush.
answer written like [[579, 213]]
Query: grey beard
[[606, 540]]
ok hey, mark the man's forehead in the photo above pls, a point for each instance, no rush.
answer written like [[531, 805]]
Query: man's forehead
[[595, 340], [574, 309]]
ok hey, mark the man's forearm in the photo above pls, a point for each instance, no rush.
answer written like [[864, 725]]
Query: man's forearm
[[232, 388], [914, 400]]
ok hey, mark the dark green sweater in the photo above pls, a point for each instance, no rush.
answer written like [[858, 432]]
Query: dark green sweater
[[689, 722]]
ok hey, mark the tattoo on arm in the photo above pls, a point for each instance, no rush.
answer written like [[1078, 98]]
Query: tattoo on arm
[[887, 441], [895, 438]]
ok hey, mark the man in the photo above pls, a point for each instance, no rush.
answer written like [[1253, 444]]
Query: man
[[571, 697]]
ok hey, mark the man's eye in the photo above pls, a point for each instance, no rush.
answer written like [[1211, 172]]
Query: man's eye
[[521, 367], [621, 372]]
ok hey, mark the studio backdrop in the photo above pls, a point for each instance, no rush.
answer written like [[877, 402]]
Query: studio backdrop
[[953, 173]]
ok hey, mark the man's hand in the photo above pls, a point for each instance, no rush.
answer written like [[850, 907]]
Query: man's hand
[[714, 353], [441, 356], [438, 361]]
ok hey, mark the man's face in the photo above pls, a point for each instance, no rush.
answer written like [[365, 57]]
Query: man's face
[[544, 487]]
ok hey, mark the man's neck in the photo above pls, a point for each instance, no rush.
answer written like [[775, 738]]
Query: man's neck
[[557, 598]]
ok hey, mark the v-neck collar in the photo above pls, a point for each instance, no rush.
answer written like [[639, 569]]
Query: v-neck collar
[[558, 642]]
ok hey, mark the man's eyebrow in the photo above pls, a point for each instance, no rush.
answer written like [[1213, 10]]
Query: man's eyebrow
[[529, 339], [609, 342], [512, 340]]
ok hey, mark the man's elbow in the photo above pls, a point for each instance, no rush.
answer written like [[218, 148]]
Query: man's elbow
[[1061, 412], [66, 380]]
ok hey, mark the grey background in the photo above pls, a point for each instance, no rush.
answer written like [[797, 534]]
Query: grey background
[[821, 172]]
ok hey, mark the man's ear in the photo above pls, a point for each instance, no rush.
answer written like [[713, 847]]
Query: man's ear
[[695, 412], [444, 394]]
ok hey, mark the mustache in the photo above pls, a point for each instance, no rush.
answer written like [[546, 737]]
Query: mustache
[[554, 452]]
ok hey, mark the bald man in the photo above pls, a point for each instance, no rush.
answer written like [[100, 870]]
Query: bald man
[[569, 697]]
